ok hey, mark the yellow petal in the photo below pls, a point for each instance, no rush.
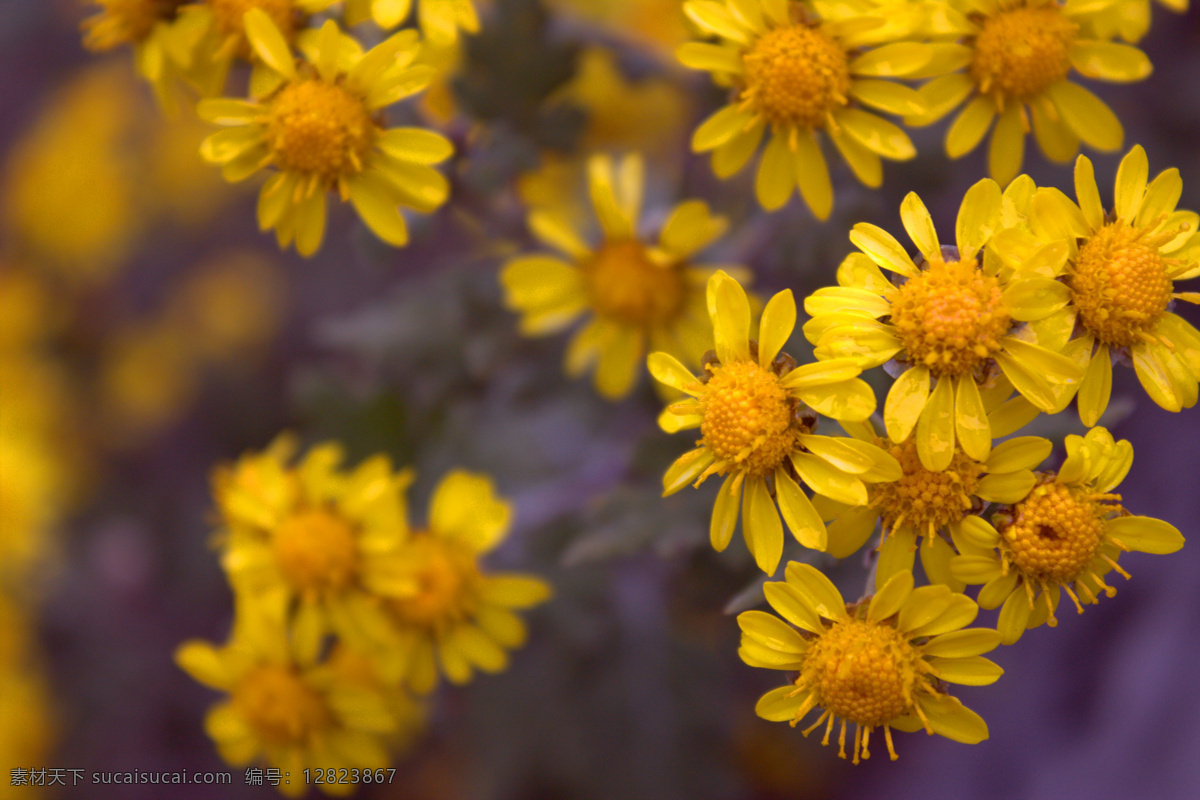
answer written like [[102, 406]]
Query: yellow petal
[[798, 512], [617, 223], [1014, 617], [890, 597], [1109, 61], [1162, 195], [896, 556], [820, 373], [812, 175], [761, 527], [1006, 151], [877, 134], [691, 228], [1087, 115], [1130, 186], [1005, 487], [552, 229], [923, 606], [668, 370], [975, 569], [852, 400], [1035, 298], [775, 328], [417, 145], [770, 631], [974, 671], [978, 217], [725, 512], [514, 591], [710, 57], [1096, 387], [920, 228], [375, 202], [816, 590], [1088, 193], [1156, 378], [729, 310], [1145, 534], [1023, 452], [850, 531], [792, 606], [936, 554], [935, 427], [776, 175], [883, 249], [780, 705], [905, 402], [686, 469], [962, 644], [269, 43], [970, 126], [970, 420], [866, 165]]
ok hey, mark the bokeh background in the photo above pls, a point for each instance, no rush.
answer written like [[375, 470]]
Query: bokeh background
[[148, 332]]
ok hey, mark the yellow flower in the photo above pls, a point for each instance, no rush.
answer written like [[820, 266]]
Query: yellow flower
[[305, 538], [285, 709], [1111, 277], [756, 411], [929, 506], [322, 131], [800, 75], [440, 20], [952, 321], [1128, 19], [878, 664], [1066, 534], [637, 293], [1016, 57], [441, 607]]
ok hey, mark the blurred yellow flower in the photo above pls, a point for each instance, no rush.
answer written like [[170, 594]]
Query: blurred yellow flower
[[1128, 19], [1110, 275], [1016, 57], [952, 320], [659, 23], [801, 73], [440, 20], [638, 294], [147, 379], [878, 664], [321, 131], [1066, 534], [756, 411]]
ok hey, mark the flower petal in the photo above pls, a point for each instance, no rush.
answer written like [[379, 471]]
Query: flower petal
[[935, 427], [816, 590], [1145, 534], [725, 512], [761, 527], [776, 326], [798, 512], [905, 402]]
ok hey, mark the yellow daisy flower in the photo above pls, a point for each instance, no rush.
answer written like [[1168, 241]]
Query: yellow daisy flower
[[162, 48], [305, 538], [440, 20], [1109, 277], [1128, 19], [1066, 534], [801, 74], [638, 293], [951, 321], [442, 609], [286, 710], [877, 664], [928, 506], [756, 411], [1016, 57], [322, 131]]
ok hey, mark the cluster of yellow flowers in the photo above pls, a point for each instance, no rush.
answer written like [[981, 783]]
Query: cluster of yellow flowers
[[345, 615], [1031, 307]]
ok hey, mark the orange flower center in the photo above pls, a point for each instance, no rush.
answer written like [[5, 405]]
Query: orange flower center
[[279, 706], [861, 671], [1119, 284], [795, 76], [747, 418], [126, 22], [316, 551], [1056, 532], [623, 283], [923, 500], [319, 128], [445, 583], [950, 317], [1021, 52]]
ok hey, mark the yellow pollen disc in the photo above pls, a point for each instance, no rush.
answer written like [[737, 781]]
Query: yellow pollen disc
[[1021, 52], [950, 317], [861, 671], [279, 706], [623, 283], [126, 21], [795, 76], [1056, 532], [447, 581], [319, 128], [316, 551], [1120, 285], [922, 500], [747, 418], [229, 16]]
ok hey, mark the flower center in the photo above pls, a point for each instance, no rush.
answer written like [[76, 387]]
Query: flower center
[[1056, 532], [279, 706], [447, 581], [950, 317], [319, 128], [1021, 52], [316, 551], [1120, 285], [747, 417], [126, 21], [923, 500], [625, 284], [229, 16], [861, 671], [795, 76]]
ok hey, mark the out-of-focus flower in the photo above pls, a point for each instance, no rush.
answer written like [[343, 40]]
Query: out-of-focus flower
[[1066, 534], [1016, 57], [440, 20], [179, 187], [660, 23], [1110, 276], [928, 506], [285, 709], [146, 380], [444, 611], [69, 199], [1128, 19], [637, 293], [878, 664], [757, 411], [800, 74], [321, 131], [230, 308], [952, 320]]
